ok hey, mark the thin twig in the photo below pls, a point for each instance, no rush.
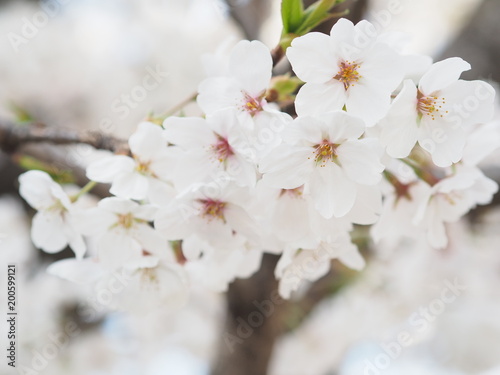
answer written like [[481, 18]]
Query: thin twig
[[172, 111]]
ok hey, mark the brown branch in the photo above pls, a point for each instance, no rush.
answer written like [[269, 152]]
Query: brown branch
[[277, 54], [12, 137], [255, 319]]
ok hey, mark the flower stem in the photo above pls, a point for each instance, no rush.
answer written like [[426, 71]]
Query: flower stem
[[172, 111], [89, 186], [423, 174]]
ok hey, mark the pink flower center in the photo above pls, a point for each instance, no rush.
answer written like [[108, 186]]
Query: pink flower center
[[430, 105], [348, 73], [324, 152], [222, 148], [143, 166], [295, 193], [149, 279], [451, 198], [252, 105], [212, 209], [125, 220]]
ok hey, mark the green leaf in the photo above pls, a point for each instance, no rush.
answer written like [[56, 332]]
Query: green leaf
[[285, 86], [297, 21], [22, 115], [316, 14], [59, 175], [292, 14]]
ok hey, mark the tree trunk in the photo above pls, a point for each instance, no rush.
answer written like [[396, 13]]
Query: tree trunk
[[255, 318]]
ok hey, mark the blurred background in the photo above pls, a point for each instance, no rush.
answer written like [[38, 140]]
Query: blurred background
[[81, 64]]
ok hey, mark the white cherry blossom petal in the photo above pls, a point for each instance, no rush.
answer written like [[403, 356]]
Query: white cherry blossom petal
[[332, 192], [342, 126], [147, 141], [109, 168], [216, 93], [288, 169], [130, 185], [442, 74], [360, 163], [251, 64], [153, 242], [118, 205], [399, 128], [36, 188], [47, 231], [467, 103], [312, 58], [187, 131], [444, 142], [315, 98], [367, 103], [116, 248], [82, 272]]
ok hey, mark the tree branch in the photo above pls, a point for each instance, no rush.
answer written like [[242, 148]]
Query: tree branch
[[12, 137]]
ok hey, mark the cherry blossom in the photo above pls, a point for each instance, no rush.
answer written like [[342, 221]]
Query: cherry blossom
[[349, 68], [121, 228], [296, 266], [379, 138], [215, 213], [208, 148], [53, 226], [159, 285], [216, 267], [295, 223], [400, 207], [244, 87], [324, 153], [436, 113], [450, 199], [144, 175]]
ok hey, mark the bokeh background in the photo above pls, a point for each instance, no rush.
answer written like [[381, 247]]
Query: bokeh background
[[79, 68]]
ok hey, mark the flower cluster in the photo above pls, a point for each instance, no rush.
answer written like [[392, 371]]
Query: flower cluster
[[202, 198]]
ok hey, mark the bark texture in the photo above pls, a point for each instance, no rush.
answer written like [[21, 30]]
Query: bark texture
[[247, 341]]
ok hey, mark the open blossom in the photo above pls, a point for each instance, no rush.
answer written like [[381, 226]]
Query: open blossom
[[246, 179], [295, 266], [324, 153], [122, 231], [53, 226], [481, 142], [244, 90], [147, 283], [160, 285], [400, 206], [244, 87], [350, 67], [145, 175], [436, 112], [450, 199], [208, 148], [216, 267], [215, 213], [295, 223]]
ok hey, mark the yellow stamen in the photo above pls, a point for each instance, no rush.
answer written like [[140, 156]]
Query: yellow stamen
[[348, 73], [430, 106]]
